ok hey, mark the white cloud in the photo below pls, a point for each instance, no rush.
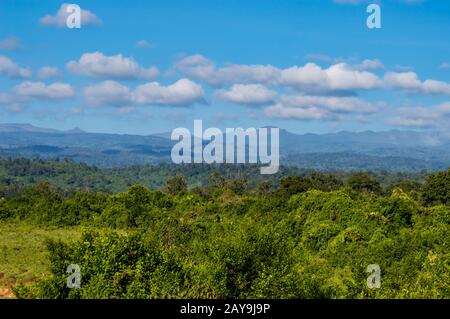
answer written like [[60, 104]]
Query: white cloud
[[194, 61], [98, 65], [411, 122], [182, 92], [404, 80], [409, 81], [369, 65], [331, 103], [445, 65], [299, 113], [343, 77], [143, 44], [201, 68], [10, 44], [403, 68], [10, 103], [337, 77], [110, 93], [436, 87], [247, 94], [422, 117], [310, 77], [307, 107], [60, 18], [10, 69], [27, 92], [39, 90], [48, 72]]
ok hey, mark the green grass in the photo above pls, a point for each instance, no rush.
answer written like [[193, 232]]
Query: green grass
[[23, 255]]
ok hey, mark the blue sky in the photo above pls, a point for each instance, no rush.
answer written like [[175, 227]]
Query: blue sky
[[150, 66]]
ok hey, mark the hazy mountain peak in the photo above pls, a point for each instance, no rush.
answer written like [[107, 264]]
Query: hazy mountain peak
[[75, 130]]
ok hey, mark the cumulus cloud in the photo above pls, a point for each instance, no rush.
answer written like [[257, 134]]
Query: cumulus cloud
[[422, 117], [299, 113], [368, 64], [48, 72], [331, 103], [403, 68], [309, 77], [98, 65], [247, 94], [308, 107], [201, 68], [109, 93], [59, 19], [337, 77], [26, 92], [323, 93], [12, 70], [39, 90], [409, 81], [404, 80], [411, 122], [184, 92], [10, 44]]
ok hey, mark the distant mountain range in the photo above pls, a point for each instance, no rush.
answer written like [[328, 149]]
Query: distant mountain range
[[389, 150]]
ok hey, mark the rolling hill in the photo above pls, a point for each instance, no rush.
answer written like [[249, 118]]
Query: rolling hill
[[389, 150]]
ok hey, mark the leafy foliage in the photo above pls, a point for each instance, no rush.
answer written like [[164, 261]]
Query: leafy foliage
[[310, 237], [437, 188], [70, 176]]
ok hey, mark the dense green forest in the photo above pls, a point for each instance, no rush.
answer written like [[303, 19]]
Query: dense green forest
[[69, 175], [306, 235]]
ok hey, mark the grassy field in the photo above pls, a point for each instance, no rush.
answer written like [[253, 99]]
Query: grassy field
[[23, 253]]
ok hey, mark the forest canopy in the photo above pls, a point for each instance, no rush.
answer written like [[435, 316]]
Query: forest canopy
[[308, 236]]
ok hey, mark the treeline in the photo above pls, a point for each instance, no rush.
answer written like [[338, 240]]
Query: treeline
[[307, 237], [70, 176]]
